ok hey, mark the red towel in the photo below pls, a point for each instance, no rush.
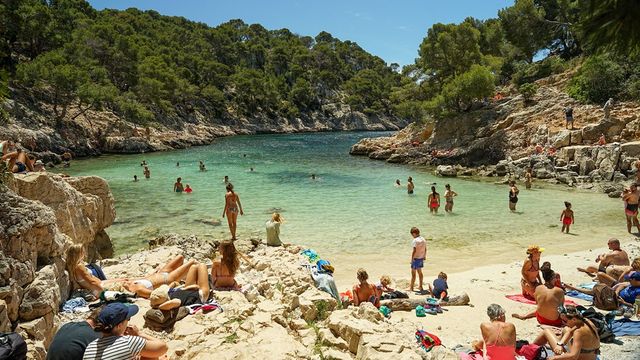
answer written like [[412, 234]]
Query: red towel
[[524, 300]]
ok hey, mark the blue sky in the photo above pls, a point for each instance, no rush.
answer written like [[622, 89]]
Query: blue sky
[[392, 30]]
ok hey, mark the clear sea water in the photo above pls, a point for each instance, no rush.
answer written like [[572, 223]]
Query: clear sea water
[[352, 214]]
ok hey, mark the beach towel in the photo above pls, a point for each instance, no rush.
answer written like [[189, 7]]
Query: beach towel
[[75, 305], [311, 255], [588, 285], [579, 295], [626, 327], [520, 298]]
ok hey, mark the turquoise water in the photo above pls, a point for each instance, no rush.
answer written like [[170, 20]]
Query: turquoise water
[[352, 214]]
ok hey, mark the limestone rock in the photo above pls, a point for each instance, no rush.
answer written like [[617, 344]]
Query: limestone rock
[[446, 171], [43, 295], [631, 149]]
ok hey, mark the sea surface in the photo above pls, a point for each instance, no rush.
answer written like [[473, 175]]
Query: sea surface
[[352, 214]]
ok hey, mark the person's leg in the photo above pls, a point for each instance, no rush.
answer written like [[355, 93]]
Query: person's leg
[[581, 290], [563, 227], [413, 279], [605, 279], [635, 222], [420, 278], [180, 272], [192, 276], [629, 224], [173, 264], [233, 217], [525, 316], [568, 227], [203, 280]]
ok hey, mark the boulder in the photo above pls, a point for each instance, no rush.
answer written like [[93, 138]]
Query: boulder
[[631, 149], [502, 168], [446, 171], [5, 323], [316, 304], [587, 165], [383, 154], [43, 295], [561, 139]]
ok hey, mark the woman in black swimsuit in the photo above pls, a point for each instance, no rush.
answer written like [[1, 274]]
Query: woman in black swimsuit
[[513, 196]]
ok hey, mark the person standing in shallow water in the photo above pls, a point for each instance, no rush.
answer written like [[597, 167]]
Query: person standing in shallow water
[[448, 196], [177, 187], [513, 195], [631, 198], [527, 179], [147, 172], [410, 185], [433, 201], [232, 206], [566, 217]]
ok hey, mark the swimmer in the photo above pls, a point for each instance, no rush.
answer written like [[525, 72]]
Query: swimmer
[[397, 184], [313, 176], [566, 217], [177, 187], [178, 164], [527, 178], [146, 172], [410, 185], [231, 207], [226, 179], [188, 189], [202, 167], [448, 196], [250, 169], [433, 201], [135, 178]]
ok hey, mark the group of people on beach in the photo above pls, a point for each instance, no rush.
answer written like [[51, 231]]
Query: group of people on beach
[[18, 161]]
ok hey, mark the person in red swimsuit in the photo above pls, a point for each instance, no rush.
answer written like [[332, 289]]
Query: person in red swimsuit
[[566, 217], [548, 299], [433, 201]]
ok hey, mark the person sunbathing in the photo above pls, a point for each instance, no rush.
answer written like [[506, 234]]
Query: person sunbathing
[[579, 338], [17, 160], [531, 272], [624, 271], [223, 272], [608, 261], [498, 336], [81, 277], [194, 291], [627, 292], [548, 298], [364, 291]]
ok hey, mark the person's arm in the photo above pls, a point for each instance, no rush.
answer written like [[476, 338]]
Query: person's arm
[[224, 210], [523, 272], [175, 185], [239, 204], [624, 273], [454, 193], [620, 299], [413, 253], [573, 219], [574, 350], [356, 300], [561, 215], [171, 304], [438, 199], [93, 282]]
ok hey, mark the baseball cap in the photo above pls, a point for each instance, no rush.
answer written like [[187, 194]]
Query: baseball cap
[[159, 295], [115, 313], [633, 276]]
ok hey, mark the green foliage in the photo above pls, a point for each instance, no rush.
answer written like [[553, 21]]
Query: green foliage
[[612, 25], [528, 91], [598, 79], [528, 73], [477, 83]]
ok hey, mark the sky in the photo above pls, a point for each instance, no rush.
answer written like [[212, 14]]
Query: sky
[[392, 30]]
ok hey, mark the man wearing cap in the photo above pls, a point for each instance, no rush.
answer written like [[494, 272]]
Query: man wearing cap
[[608, 263], [628, 294], [120, 341]]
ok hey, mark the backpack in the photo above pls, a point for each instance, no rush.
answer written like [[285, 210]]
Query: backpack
[[600, 322], [605, 298], [12, 347], [426, 340], [161, 320], [532, 352]]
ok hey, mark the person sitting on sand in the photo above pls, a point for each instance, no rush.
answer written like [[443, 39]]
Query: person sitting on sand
[[410, 185], [365, 292], [627, 292], [631, 198], [498, 336], [82, 278], [548, 298], [223, 272], [579, 339], [557, 282], [531, 272], [195, 291], [384, 284], [607, 262], [188, 189], [566, 217], [440, 287], [273, 230], [72, 338], [623, 270], [121, 341], [418, 254], [231, 207], [177, 186], [433, 201]]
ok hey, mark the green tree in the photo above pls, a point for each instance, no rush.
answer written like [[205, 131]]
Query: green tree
[[612, 25], [528, 91], [525, 27], [597, 80], [365, 91], [477, 83]]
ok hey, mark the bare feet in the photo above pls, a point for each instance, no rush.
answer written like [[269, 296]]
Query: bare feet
[[585, 271]]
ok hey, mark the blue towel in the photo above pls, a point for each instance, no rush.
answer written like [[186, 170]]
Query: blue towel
[[73, 304], [579, 295], [624, 327], [311, 255], [588, 285]]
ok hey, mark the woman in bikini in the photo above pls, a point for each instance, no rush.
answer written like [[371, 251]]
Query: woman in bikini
[[433, 201], [448, 196], [223, 272], [195, 291], [531, 272], [231, 207], [579, 339], [81, 277], [498, 336], [365, 292], [513, 195]]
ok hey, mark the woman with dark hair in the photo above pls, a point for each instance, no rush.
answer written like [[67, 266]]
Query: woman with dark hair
[[513, 195], [579, 339], [448, 197], [223, 272], [433, 201], [232, 206], [119, 340]]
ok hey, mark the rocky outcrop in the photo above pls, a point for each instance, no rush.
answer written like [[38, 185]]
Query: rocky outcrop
[[39, 219]]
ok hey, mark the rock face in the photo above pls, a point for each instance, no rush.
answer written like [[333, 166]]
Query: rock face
[[40, 218], [446, 171]]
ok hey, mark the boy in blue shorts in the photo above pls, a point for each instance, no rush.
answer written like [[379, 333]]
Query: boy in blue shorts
[[418, 255]]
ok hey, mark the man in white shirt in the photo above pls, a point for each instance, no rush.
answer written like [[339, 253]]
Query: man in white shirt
[[418, 255]]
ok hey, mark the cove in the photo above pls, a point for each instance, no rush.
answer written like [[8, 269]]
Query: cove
[[352, 214]]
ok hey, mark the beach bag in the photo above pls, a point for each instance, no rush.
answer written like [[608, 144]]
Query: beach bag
[[600, 322], [604, 297], [12, 347], [426, 340], [160, 320], [532, 352], [396, 294]]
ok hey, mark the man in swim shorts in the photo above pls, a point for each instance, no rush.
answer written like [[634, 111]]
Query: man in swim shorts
[[608, 263], [418, 255], [548, 299], [631, 199]]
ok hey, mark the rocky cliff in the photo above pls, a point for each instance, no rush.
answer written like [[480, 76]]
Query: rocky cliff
[[42, 214], [99, 132]]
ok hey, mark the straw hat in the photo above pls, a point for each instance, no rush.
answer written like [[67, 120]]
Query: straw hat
[[534, 249]]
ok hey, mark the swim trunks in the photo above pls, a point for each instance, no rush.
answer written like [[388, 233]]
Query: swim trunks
[[567, 220], [417, 264], [21, 166], [630, 209], [409, 191], [544, 321]]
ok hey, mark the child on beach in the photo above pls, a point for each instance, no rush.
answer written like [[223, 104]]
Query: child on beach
[[418, 255], [566, 217], [188, 189], [383, 286], [440, 287]]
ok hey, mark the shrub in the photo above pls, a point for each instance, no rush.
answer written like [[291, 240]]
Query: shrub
[[598, 79], [474, 84], [528, 90], [528, 73]]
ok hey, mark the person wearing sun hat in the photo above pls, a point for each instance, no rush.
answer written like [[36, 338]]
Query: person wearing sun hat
[[531, 272], [120, 341]]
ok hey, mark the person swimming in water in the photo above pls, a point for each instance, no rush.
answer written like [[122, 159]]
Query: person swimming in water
[[397, 184], [226, 179], [410, 185], [231, 207], [177, 187], [188, 189], [202, 167], [513, 195], [566, 217], [135, 178], [433, 201], [146, 172], [178, 164], [448, 196], [313, 176]]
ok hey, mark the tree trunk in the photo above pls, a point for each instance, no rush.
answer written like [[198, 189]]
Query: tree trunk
[[410, 304]]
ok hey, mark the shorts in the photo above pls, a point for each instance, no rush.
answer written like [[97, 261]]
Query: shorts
[[21, 166], [567, 221], [569, 119], [417, 264]]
